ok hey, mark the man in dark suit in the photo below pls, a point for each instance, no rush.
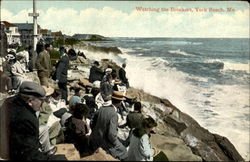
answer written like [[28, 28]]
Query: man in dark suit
[[105, 129], [122, 75], [62, 71], [20, 126]]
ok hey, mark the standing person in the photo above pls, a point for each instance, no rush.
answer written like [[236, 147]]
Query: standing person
[[95, 73], [43, 64], [105, 129], [31, 58], [62, 72], [20, 126], [40, 46], [122, 75], [140, 148]]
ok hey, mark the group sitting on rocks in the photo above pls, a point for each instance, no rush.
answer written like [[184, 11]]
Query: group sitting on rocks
[[36, 117]]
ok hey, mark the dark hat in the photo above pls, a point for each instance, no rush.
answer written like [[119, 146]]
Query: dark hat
[[96, 63], [59, 113], [32, 89]]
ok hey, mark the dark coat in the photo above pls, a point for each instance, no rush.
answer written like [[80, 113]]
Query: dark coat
[[95, 74], [104, 133], [122, 75], [23, 127], [76, 130], [62, 69], [134, 120]]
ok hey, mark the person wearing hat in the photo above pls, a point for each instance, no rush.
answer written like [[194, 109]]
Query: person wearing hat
[[20, 125], [43, 65], [95, 74], [140, 148], [7, 76], [105, 129]]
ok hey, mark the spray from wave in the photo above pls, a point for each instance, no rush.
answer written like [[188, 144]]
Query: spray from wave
[[214, 107]]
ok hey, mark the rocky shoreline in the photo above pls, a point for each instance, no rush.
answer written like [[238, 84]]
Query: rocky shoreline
[[178, 135]]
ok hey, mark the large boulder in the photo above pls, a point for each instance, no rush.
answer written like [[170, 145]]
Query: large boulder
[[174, 148], [99, 155], [68, 150]]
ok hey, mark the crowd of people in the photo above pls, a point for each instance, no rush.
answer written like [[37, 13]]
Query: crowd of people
[[36, 116]]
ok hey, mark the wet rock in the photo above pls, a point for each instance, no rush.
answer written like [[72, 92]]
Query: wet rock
[[228, 148]]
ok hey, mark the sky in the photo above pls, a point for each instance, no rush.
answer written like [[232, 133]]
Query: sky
[[202, 19]]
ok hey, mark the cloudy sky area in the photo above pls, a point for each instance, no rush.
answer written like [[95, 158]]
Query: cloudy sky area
[[121, 19]]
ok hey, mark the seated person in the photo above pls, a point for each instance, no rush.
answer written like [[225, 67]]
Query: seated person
[[77, 97]]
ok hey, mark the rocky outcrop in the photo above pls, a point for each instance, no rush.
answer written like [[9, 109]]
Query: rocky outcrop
[[71, 153], [178, 135], [174, 148]]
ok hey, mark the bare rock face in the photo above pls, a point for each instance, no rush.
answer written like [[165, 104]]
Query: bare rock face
[[68, 150], [99, 155], [174, 148]]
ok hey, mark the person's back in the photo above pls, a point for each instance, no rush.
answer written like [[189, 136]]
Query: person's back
[[95, 73], [106, 116], [77, 127], [134, 119], [122, 75]]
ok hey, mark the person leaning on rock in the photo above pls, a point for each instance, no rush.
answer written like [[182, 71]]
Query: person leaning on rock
[[21, 126]]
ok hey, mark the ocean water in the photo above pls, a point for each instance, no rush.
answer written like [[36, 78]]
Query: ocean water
[[205, 78]]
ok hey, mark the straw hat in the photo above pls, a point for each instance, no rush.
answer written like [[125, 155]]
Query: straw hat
[[118, 95], [85, 82], [117, 81], [49, 90]]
